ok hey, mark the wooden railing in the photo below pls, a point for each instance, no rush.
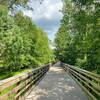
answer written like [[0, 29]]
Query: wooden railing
[[16, 87], [90, 82]]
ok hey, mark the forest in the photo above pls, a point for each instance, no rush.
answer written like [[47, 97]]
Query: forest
[[22, 43], [34, 65], [25, 45], [78, 38]]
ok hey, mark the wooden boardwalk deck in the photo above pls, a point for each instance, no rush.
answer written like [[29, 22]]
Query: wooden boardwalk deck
[[57, 85]]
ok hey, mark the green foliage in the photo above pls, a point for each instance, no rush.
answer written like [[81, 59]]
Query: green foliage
[[22, 43], [78, 39], [10, 3]]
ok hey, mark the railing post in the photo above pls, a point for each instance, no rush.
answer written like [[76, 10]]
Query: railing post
[[22, 83], [50, 64], [87, 80], [61, 64], [68, 69]]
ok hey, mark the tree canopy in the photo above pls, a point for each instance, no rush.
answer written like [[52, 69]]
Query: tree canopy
[[78, 38], [22, 43]]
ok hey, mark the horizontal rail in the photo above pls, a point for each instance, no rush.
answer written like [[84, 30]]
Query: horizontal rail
[[90, 82], [13, 88]]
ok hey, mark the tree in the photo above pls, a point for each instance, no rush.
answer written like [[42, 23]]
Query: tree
[[9, 37], [80, 25], [22, 43]]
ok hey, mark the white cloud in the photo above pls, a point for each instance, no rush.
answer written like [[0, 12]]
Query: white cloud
[[28, 13], [52, 10], [46, 15]]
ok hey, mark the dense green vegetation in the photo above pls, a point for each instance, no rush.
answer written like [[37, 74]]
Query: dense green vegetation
[[22, 43], [78, 38]]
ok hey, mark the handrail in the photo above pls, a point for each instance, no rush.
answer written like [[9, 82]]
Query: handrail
[[13, 88], [89, 81]]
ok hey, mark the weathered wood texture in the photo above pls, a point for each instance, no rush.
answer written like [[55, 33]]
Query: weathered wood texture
[[17, 86], [90, 82], [57, 85]]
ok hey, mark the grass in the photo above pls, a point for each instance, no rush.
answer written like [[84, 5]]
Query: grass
[[94, 71], [7, 89], [4, 75]]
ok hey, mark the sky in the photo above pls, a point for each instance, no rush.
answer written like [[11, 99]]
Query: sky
[[46, 15]]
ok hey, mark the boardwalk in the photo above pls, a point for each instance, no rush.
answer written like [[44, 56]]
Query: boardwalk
[[57, 85]]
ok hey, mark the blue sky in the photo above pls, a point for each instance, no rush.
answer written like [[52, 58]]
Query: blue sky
[[46, 15]]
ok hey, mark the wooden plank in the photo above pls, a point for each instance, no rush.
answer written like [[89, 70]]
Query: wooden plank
[[87, 80], [9, 82], [34, 74], [87, 73], [15, 90], [39, 75], [87, 84], [85, 89], [25, 88]]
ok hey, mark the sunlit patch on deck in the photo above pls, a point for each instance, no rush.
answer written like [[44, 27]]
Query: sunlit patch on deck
[[57, 85]]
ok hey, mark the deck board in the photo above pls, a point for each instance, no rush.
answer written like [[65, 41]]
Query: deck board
[[57, 85]]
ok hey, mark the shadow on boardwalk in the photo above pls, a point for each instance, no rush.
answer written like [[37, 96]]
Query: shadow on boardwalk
[[57, 85]]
